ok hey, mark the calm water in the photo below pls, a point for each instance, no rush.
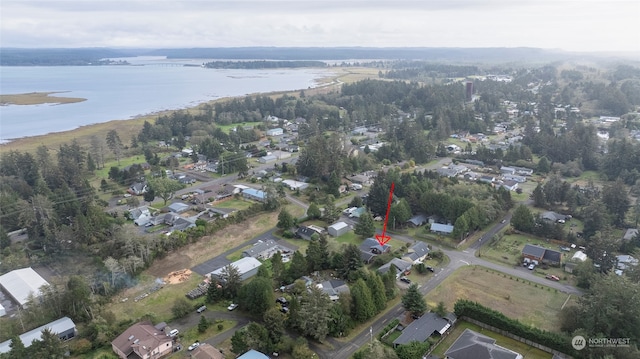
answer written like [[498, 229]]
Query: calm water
[[123, 92]]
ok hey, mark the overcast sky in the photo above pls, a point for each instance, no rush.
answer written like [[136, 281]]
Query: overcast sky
[[574, 25]]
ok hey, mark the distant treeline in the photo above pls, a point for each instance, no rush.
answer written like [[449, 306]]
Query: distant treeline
[[59, 57], [263, 64]]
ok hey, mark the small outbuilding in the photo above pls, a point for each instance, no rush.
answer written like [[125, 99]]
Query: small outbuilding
[[20, 284], [338, 229]]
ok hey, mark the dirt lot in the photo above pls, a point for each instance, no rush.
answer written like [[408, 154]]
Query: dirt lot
[[211, 246]]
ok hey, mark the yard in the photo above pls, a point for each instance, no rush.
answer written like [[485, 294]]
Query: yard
[[532, 304], [238, 204], [526, 351]]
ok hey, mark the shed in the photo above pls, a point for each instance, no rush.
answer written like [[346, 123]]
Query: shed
[[267, 159], [579, 256], [19, 284], [338, 229]]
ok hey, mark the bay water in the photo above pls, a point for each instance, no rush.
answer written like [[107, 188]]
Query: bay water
[[123, 92]]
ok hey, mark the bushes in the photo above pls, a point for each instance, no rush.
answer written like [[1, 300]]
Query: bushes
[[392, 324], [496, 319]]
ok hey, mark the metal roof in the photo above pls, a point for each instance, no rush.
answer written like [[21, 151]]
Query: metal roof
[[21, 283]]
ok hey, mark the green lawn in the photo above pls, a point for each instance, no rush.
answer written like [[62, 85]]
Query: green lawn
[[228, 128], [238, 204], [508, 250], [530, 303], [528, 352]]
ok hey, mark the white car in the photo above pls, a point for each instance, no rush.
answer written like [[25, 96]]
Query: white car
[[532, 266], [193, 346], [232, 306]]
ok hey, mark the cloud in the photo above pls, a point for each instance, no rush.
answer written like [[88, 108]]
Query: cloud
[[574, 25]]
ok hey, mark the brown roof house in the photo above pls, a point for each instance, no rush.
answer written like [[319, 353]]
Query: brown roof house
[[206, 351], [142, 341]]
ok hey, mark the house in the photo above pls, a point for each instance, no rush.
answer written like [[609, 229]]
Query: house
[[357, 212], [510, 185], [541, 254], [333, 288], [181, 224], [64, 327], [295, 185], [178, 207], [142, 340], [474, 345], [417, 253], [275, 131], [422, 328], [186, 180], [360, 179], [253, 354], [337, 229], [624, 261], [418, 220], [523, 171], [281, 155], [138, 189], [140, 215], [517, 178], [402, 267], [206, 351], [487, 179], [533, 252], [507, 170], [267, 159], [20, 284], [446, 172], [254, 194], [264, 250], [305, 233], [630, 234], [222, 212], [247, 267], [370, 248], [553, 216], [441, 228]]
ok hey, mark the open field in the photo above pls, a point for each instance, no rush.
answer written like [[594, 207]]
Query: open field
[[37, 98], [526, 351], [531, 304]]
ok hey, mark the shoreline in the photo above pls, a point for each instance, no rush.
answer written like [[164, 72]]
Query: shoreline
[[133, 125]]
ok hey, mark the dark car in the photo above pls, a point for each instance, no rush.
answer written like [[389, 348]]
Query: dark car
[[283, 301], [406, 280], [430, 269]]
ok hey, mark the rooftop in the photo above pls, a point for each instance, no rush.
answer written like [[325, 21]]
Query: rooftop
[[21, 283]]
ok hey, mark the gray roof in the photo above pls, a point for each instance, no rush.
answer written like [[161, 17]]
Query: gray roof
[[178, 207], [371, 243], [58, 326], [552, 256], [532, 250], [21, 283], [422, 328], [259, 248], [443, 228], [472, 345], [553, 216], [420, 249], [418, 220], [400, 265]]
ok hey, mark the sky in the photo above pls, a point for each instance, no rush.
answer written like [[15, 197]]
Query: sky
[[572, 25]]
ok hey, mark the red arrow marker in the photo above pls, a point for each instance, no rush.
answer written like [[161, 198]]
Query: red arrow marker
[[383, 238]]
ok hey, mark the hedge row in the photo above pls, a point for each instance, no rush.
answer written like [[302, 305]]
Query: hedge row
[[496, 319], [387, 328]]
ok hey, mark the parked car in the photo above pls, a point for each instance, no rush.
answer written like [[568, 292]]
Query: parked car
[[552, 277], [202, 309], [565, 249], [406, 280], [531, 266], [503, 221], [284, 310], [283, 301], [174, 332], [232, 306], [177, 348], [430, 269], [193, 346]]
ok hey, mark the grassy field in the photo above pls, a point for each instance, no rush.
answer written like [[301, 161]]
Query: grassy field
[[37, 98], [526, 351], [229, 128], [238, 204], [532, 304]]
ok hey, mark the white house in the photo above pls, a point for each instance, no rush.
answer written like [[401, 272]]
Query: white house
[[275, 131]]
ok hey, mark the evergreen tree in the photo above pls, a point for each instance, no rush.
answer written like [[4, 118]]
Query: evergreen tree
[[313, 212], [231, 281], [285, 220], [374, 282], [351, 262], [203, 324], [314, 309], [539, 199], [214, 293], [238, 342], [522, 219], [413, 301], [365, 226], [256, 296], [297, 267], [362, 306], [277, 269], [543, 166], [18, 351]]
